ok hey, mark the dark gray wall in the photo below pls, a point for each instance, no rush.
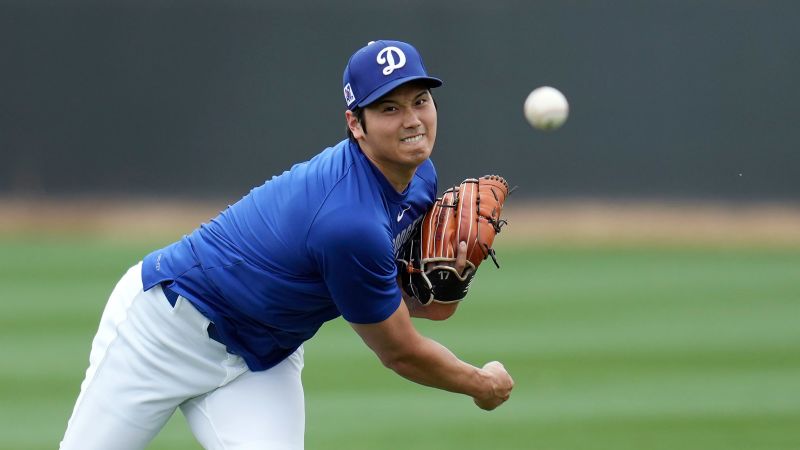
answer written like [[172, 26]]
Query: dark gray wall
[[681, 99]]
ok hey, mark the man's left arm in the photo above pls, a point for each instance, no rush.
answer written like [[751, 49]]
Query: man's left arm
[[436, 310], [432, 311]]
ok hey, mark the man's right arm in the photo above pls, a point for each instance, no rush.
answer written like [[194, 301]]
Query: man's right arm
[[401, 348]]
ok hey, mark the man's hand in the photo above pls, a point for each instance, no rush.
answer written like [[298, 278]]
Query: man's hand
[[501, 386]]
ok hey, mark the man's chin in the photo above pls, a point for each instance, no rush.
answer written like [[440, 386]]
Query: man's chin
[[420, 153], [419, 158]]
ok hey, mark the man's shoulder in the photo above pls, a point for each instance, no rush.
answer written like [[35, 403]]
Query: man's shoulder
[[337, 150], [353, 198], [352, 207], [316, 177], [350, 228], [355, 185]]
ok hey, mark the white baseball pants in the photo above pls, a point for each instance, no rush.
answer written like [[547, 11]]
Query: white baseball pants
[[149, 358]]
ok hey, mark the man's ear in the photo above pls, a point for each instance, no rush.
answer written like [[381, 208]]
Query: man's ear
[[353, 124]]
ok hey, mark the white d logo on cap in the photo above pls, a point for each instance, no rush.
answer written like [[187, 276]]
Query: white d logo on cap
[[393, 57]]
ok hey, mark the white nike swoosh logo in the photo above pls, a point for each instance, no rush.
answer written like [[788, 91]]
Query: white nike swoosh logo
[[401, 213]]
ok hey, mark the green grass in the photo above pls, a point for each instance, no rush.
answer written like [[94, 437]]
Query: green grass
[[611, 348]]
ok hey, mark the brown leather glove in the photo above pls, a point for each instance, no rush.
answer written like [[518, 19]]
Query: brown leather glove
[[470, 213]]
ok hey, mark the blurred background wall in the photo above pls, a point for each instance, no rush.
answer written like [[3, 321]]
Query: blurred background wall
[[670, 99]]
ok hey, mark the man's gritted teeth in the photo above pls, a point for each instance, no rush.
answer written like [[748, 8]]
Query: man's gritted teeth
[[413, 139]]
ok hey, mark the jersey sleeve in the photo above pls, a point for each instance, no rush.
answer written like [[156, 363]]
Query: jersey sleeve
[[355, 258]]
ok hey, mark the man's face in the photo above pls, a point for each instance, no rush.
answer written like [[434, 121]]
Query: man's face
[[401, 128]]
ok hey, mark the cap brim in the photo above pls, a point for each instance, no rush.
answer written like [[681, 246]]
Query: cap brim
[[386, 88]]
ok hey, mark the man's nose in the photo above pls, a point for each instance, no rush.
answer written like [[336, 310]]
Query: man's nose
[[411, 118]]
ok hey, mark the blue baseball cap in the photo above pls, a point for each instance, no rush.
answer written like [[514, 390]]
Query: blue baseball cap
[[378, 68]]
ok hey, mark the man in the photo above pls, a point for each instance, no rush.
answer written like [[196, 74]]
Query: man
[[214, 323]]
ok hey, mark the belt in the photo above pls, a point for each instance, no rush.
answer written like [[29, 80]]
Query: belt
[[172, 298]]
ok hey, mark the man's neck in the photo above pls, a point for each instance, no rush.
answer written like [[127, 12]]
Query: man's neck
[[398, 177]]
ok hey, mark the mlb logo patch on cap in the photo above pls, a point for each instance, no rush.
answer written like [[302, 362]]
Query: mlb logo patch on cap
[[378, 68], [348, 94]]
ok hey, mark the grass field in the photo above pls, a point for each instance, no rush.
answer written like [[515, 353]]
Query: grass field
[[611, 347]]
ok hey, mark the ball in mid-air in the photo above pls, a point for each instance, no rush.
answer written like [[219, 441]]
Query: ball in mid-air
[[546, 108]]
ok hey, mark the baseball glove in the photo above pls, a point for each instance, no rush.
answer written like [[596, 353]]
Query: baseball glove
[[467, 213]]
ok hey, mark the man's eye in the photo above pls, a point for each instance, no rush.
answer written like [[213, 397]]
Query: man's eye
[[389, 109]]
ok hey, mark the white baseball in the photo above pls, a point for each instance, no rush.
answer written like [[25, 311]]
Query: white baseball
[[546, 108]]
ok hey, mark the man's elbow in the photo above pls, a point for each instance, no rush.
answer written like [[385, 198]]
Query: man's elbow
[[396, 361], [402, 356]]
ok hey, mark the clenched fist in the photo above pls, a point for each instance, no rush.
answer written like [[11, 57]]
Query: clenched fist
[[499, 385]]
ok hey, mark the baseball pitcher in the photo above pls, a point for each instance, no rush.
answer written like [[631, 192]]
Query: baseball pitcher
[[215, 323]]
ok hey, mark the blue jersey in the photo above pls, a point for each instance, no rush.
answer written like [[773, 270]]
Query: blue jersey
[[309, 245]]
